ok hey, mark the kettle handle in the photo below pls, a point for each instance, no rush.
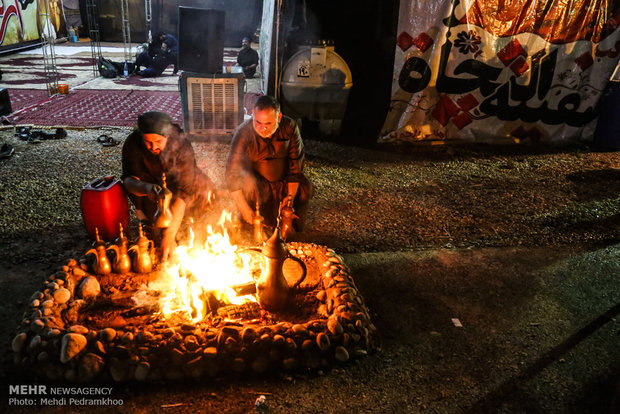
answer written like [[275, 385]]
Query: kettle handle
[[303, 266], [117, 251]]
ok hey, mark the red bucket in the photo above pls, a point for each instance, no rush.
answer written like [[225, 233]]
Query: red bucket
[[104, 206]]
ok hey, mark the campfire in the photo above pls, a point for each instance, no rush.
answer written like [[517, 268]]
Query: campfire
[[213, 309]]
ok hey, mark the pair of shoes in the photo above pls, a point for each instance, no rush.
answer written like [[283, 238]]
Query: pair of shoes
[[6, 151], [22, 132], [107, 141], [60, 133], [34, 137]]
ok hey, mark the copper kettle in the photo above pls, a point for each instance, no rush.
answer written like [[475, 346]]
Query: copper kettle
[[259, 226], [102, 265], [287, 215], [163, 216], [122, 262], [144, 251], [272, 289]]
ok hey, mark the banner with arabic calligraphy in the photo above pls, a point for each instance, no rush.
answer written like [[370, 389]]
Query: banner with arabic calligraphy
[[22, 21], [501, 71]]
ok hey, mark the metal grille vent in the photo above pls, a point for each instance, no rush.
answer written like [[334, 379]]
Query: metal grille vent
[[214, 105]]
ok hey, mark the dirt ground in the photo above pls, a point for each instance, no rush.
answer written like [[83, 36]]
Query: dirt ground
[[520, 245]]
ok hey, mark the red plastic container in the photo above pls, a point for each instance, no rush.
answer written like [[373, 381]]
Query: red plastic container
[[104, 206]]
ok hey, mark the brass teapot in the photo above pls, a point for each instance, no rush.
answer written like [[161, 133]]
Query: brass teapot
[[144, 251], [122, 263], [259, 226], [102, 265], [287, 215], [163, 216], [272, 288]]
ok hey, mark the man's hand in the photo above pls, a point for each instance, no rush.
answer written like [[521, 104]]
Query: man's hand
[[244, 208], [168, 245], [155, 192], [247, 214]]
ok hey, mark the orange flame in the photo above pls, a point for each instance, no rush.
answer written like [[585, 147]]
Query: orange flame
[[196, 271]]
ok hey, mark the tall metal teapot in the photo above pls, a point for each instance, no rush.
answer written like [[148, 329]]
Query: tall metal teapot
[[272, 288], [144, 252], [163, 216], [101, 265], [122, 262]]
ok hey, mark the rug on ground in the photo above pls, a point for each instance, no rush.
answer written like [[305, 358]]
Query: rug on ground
[[89, 108]]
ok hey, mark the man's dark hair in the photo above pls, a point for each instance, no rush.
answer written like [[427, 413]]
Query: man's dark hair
[[159, 34], [265, 102], [154, 122]]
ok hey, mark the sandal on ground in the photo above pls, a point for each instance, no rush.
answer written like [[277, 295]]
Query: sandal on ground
[[111, 142], [107, 141], [102, 138], [6, 151], [34, 137]]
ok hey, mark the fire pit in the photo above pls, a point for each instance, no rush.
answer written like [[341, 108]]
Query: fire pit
[[82, 326]]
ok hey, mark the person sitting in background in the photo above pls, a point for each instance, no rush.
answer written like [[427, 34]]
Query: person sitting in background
[[154, 65], [155, 147], [247, 58], [161, 52], [170, 47]]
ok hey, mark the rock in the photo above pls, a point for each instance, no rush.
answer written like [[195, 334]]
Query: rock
[[341, 354], [145, 336], [78, 271], [42, 356], [78, 329], [120, 371], [210, 352], [194, 367], [62, 295], [107, 334], [37, 325], [19, 341], [36, 295], [322, 341], [127, 338], [191, 343], [35, 343], [248, 335], [334, 327], [142, 371], [48, 303], [307, 345], [35, 303], [299, 329], [53, 333], [90, 367], [88, 288], [72, 344], [238, 365], [278, 340]]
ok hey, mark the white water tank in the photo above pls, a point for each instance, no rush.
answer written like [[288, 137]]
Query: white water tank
[[316, 83]]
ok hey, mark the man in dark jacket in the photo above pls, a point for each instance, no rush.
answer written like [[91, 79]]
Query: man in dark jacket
[[158, 146], [265, 165], [247, 58], [162, 51]]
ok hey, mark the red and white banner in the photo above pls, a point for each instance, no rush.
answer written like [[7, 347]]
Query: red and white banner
[[501, 71]]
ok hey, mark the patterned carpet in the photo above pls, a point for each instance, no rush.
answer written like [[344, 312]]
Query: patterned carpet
[[90, 108], [92, 100]]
